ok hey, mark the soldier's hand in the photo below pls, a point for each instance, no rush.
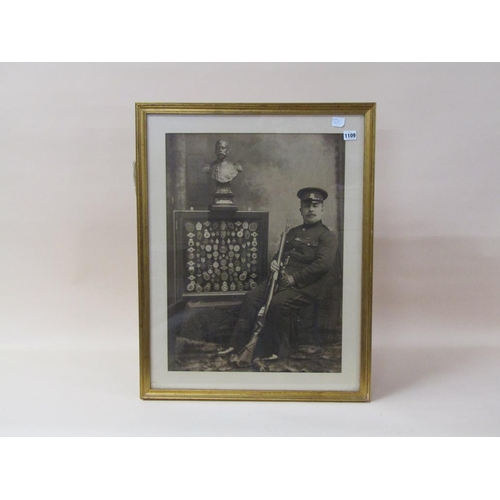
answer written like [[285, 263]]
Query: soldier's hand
[[274, 266]]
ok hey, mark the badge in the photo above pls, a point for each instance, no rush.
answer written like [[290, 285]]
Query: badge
[[253, 226], [198, 226]]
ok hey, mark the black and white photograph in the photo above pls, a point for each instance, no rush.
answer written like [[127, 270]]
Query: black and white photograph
[[255, 244], [255, 227]]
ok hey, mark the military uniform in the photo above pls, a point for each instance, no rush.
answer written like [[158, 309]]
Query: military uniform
[[308, 256]]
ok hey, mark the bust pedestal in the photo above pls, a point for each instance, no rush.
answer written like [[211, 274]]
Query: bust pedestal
[[223, 198]]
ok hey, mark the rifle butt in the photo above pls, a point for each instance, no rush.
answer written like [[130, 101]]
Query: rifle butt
[[245, 356]]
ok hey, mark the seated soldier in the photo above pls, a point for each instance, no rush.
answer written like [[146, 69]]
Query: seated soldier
[[308, 256]]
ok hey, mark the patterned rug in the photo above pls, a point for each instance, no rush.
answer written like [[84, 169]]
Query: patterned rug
[[192, 355]]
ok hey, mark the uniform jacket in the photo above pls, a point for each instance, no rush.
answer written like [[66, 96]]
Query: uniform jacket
[[309, 254]]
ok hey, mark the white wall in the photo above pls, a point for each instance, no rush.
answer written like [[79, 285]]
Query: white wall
[[69, 322]]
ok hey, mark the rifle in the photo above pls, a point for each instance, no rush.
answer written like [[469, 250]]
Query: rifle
[[245, 356]]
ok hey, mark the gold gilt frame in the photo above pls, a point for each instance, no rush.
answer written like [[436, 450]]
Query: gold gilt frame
[[157, 386]]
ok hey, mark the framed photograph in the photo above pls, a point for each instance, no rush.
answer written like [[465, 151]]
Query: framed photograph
[[255, 227]]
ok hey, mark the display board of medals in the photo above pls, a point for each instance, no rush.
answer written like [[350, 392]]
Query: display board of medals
[[220, 254]]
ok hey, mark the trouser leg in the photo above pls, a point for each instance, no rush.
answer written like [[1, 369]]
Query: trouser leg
[[275, 338]]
